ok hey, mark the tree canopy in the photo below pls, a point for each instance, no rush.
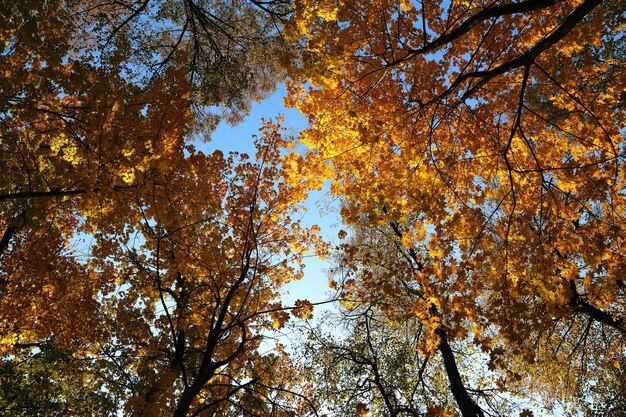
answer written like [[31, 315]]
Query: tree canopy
[[485, 142], [476, 150]]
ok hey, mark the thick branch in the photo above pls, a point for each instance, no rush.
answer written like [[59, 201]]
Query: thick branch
[[208, 365], [41, 194], [582, 306], [14, 226], [467, 406], [529, 56], [478, 18], [465, 402], [57, 192]]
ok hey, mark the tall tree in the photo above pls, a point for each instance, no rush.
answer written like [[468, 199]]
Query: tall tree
[[149, 267], [385, 299], [84, 124], [184, 298], [493, 133], [45, 382], [230, 49], [378, 366], [201, 278]]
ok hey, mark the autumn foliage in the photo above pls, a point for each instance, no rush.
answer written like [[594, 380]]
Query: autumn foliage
[[476, 149], [484, 142], [144, 272]]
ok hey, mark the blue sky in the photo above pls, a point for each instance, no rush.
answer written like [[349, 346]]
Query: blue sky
[[239, 138]]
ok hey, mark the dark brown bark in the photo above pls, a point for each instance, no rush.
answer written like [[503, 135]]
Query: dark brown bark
[[480, 17], [466, 404], [189, 394], [463, 400], [14, 226], [58, 192], [579, 304], [41, 194], [529, 56]]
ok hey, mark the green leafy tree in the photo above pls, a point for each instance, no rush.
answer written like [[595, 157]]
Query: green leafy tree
[[42, 381]]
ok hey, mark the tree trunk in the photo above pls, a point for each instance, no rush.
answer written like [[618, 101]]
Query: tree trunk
[[466, 404]]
